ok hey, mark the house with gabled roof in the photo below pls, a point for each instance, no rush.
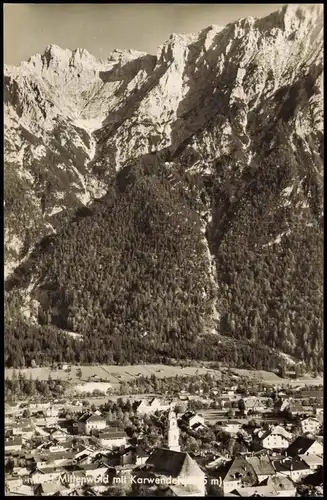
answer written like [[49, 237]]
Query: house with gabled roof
[[253, 404], [262, 466], [27, 432], [151, 406], [112, 437], [133, 455], [254, 491], [292, 467], [279, 429], [46, 474], [59, 435], [51, 489], [88, 423], [313, 461], [62, 447], [283, 486], [95, 470], [13, 482], [193, 420], [305, 446], [276, 438], [234, 473], [60, 458], [23, 490]]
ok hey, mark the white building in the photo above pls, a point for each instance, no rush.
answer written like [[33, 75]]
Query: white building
[[273, 441], [305, 446], [39, 406], [278, 429], [232, 427], [46, 474], [292, 467], [13, 444], [112, 438], [277, 438], [319, 412], [262, 467], [196, 420], [313, 461], [51, 412], [88, 423], [310, 425], [193, 420], [151, 406], [59, 435]]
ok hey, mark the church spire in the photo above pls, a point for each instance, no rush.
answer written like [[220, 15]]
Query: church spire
[[173, 431]]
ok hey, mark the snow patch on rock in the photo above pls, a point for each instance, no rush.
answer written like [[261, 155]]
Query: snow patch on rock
[[89, 124]]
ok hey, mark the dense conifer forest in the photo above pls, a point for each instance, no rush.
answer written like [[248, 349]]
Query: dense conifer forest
[[129, 274]]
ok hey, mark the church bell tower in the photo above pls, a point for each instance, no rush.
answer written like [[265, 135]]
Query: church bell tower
[[173, 432]]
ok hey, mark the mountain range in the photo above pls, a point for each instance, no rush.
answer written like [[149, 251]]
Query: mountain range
[[170, 205]]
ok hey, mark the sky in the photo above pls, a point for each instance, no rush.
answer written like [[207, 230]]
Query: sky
[[101, 28]]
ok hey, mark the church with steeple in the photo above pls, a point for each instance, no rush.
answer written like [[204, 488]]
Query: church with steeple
[[177, 473]]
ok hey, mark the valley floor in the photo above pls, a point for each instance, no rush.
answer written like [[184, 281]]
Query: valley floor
[[114, 375]]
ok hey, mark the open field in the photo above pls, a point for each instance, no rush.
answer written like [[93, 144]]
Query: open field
[[114, 375], [212, 416], [273, 378], [257, 374]]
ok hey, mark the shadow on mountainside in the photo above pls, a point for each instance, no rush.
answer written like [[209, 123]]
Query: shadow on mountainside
[[209, 92], [125, 74]]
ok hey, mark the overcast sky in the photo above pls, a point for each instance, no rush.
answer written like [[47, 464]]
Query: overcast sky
[[100, 28]]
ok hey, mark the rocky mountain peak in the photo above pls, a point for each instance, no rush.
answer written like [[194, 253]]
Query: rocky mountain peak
[[222, 133]]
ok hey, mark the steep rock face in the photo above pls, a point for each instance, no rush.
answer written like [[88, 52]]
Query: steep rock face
[[53, 103], [230, 121]]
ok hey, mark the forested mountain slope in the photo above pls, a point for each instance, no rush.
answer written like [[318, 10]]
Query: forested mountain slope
[[170, 205]]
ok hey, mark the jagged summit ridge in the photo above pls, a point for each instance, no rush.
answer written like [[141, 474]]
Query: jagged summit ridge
[[289, 17]]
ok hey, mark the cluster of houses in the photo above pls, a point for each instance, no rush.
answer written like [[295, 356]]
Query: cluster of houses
[[48, 456], [97, 456], [270, 474]]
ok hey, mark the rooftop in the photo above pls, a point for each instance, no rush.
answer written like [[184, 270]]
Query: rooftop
[[172, 463], [261, 465], [13, 442], [51, 488], [237, 467], [113, 433], [231, 422], [312, 460], [289, 464], [300, 445]]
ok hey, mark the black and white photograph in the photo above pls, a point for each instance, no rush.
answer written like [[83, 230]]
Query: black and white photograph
[[163, 249]]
